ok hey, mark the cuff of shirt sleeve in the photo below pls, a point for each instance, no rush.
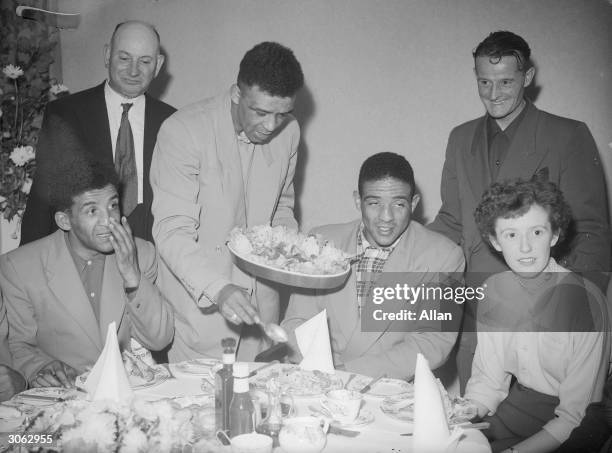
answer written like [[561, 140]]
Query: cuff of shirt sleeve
[[490, 403], [209, 295], [559, 428]]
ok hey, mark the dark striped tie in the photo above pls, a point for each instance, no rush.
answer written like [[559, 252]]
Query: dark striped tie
[[125, 163]]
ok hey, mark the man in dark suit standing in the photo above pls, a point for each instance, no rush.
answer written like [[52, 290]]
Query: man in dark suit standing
[[97, 116], [516, 139]]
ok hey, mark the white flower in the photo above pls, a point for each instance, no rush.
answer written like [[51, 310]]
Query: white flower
[[57, 88], [12, 72], [2, 199], [6, 134], [21, 155], [0, 109], [26, 186]]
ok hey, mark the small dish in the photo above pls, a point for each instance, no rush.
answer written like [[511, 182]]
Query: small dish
[[400, 407], [364, 418]]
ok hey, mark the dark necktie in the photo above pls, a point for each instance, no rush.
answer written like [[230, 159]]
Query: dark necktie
[[125, 163]]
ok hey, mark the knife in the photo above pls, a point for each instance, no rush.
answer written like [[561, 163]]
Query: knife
[[269, 364], [467, 425], [368, 387], [333, 429], [57, 399]]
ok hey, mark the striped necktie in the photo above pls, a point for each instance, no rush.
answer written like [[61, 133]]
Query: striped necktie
[[125, 163]]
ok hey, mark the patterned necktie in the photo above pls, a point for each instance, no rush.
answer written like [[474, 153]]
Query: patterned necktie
[[125, 163]]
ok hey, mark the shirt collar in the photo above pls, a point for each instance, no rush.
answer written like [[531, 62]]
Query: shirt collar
[[116, 99], [79, 262], [242, 137], [363, 244], [510, 131]]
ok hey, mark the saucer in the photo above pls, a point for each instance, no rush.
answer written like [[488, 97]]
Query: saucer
[[364, 418]]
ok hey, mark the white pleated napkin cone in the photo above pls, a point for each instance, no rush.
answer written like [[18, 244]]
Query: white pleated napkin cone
[[431, 431], [313, 341], [108, 380]]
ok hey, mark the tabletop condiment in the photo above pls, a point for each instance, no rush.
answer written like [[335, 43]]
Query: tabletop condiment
[[241, 410], [272, 423], [224, 385]]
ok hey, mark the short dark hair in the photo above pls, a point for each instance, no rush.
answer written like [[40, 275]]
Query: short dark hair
[[386, 165], [273, 68], [513, 198], [502, 44], [78, 175]]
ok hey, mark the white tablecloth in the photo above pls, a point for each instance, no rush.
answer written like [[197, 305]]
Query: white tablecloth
[[382, 435]]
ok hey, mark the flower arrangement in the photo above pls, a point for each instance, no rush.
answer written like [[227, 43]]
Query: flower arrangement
[[26, 52]]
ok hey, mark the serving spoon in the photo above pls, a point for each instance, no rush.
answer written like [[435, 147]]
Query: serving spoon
[[273, 331]]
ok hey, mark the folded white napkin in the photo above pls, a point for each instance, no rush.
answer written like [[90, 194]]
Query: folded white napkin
[[107, 379], [431, 432], [313, 341]]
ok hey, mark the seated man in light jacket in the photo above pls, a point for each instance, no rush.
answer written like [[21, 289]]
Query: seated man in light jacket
[[386, 240], [62, 291], [11, 381]]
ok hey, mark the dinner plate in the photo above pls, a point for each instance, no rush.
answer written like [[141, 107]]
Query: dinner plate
[[383, 388], [199, 367], [160, 375], [11, 419], [289, 278], [297, 382], [46, 396]]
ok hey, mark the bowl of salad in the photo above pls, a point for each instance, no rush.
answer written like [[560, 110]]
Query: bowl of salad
[[288, 257]]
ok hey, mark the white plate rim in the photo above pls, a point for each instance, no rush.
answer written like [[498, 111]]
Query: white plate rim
[[361, 381]]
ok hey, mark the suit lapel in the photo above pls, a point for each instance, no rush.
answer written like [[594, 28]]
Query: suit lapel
[[344, 306], [523, 156], [151, 124], [477, 162], [94, 120], [228, 157], [65, 283], [112, 300]]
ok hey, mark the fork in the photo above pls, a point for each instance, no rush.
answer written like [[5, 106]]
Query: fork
[[170, 373], [351, 377]]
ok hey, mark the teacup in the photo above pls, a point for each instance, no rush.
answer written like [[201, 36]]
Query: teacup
[[343, 405], [303, 434], [251, 443]]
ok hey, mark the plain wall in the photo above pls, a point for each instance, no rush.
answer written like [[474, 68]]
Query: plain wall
[[380, 75]]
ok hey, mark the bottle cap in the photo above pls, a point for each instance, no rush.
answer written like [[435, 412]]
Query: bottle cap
[[229, 345], [241, 370]]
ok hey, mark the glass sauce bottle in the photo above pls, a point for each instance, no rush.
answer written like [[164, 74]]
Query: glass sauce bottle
[[224, 385], [242, 410]]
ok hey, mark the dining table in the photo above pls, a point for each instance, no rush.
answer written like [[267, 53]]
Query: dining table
[[380, 432]]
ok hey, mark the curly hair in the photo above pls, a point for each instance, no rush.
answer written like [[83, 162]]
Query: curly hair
[[273, 68], [76, 176], [501, 44], [386, 165], [513, 198]]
